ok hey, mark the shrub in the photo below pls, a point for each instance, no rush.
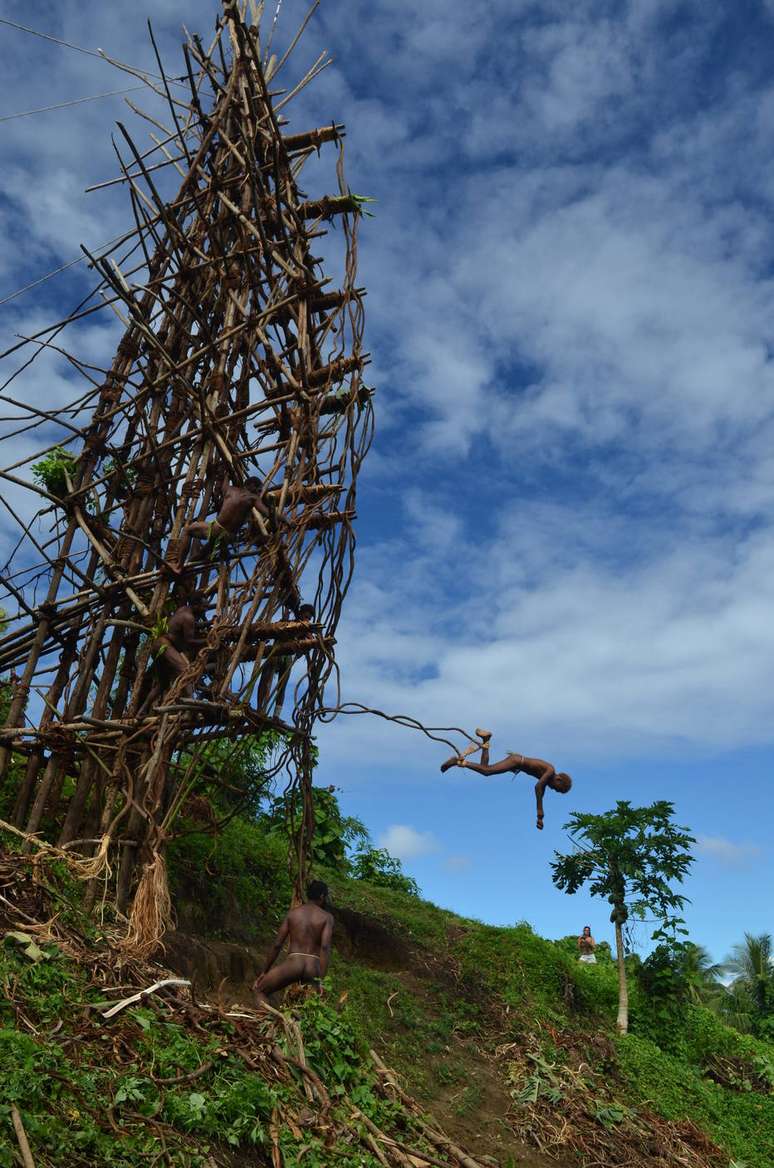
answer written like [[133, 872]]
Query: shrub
[[377, 866], [53, 470], [741, 1122]]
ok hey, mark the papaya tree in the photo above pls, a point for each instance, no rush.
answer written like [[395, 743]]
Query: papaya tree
[[631, 856]]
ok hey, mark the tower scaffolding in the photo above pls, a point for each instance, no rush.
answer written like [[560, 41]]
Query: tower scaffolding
[[238, 358]]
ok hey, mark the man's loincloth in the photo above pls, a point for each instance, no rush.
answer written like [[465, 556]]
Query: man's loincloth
[[314, 956], [218, 535]]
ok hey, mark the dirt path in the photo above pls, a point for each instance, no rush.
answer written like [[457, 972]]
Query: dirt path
[[483, 1129]]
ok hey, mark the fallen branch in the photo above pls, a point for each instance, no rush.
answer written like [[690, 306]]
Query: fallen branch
[[202, 1070], [167, 981], [439, 1141]]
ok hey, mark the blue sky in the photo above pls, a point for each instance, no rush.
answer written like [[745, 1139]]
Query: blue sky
[[565, 524]]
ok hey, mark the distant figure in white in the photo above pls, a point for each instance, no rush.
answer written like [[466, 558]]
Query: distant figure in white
[[586, 947]]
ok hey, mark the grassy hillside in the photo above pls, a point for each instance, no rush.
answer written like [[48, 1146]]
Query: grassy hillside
[[497, 1035], [474, 1003], [503, 1034], [171, 1078]]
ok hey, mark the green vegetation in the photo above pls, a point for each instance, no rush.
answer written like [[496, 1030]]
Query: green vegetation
[[702, 976], [738, 1118], [378, 867], [227, 885], [629, 856], [335, 834], [53, 470], [170, 1081], [9, 785], [509, 988], [502, 1035], [361, 204], [752, 990], [82, 1108], [439, 995], [228, 858], [124, 478]]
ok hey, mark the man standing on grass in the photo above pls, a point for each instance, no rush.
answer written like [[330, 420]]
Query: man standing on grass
[[308, 930]]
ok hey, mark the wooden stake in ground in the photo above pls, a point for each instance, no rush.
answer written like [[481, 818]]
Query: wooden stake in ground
[[21, 1136]]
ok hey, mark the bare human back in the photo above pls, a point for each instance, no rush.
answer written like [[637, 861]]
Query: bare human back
[[308, 930], [237, 503]]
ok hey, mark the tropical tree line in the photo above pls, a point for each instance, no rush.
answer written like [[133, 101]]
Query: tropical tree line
[[740, 989]]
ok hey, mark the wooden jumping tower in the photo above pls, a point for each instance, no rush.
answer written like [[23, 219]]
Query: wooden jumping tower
[[238, 358]]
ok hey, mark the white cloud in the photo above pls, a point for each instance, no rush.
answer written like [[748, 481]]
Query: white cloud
[[406, 843], [584, 64], [433, 527], [726, 851], [600, 641], [541, 303]]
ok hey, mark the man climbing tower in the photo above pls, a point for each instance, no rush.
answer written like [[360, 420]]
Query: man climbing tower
[[173, 649], [308, 930], [237, 502], [545, 773]]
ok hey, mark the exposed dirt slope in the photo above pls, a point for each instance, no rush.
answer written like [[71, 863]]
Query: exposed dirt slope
[[471, 1107]]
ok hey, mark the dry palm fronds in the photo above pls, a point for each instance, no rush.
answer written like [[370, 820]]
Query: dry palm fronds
[[561, 1104]]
